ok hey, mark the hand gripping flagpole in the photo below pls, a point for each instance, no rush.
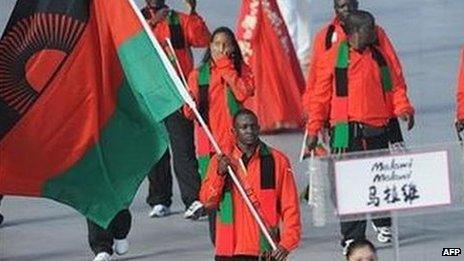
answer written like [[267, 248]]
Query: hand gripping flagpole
[[191, 103]]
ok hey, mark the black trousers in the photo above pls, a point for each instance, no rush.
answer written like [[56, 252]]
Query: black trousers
[[101, 240], [212, 213], [185, 163], [360, 141]]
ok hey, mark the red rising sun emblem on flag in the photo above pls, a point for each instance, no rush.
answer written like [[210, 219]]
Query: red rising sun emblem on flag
[[48, 59], [31, 53]]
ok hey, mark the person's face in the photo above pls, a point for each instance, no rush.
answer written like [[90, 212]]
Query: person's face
[[246, 130], [222, 44], [344, 7], [362, 38], [156, 3], [363, 254]]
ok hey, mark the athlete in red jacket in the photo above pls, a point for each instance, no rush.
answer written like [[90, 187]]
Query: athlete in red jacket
[[331, 35], [352, 91], [267, 177]]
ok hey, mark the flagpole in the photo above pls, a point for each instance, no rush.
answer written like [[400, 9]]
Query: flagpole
[[172, 72], [179, 68], [303, 146], [190, 102]]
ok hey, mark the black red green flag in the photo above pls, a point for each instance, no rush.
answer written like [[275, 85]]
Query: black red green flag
[[82, 93]]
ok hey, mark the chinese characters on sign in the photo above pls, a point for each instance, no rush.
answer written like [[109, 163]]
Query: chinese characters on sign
[[366, 185], [408, 194], [383, 191]]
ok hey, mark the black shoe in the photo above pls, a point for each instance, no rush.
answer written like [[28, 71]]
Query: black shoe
[[1, 219]]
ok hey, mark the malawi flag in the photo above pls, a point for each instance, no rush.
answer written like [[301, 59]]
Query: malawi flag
[[82, 94]]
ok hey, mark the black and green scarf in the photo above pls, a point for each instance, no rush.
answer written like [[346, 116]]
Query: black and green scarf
[[340, 140], [234, 106], [175, 30], [225, 240]]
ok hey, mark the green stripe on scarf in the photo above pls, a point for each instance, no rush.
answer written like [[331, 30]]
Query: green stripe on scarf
[[341, 136], [173, 18], [343, 56], [234, 105], [203, 163], [264, 150], [175, 30], [387, 82], [264, 245], [226, 210], [204, 74]]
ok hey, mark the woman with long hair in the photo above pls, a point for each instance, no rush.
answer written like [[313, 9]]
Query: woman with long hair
[[219, 87]]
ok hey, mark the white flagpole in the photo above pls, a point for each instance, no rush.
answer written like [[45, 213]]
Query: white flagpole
[[303, 146], [188, 99], [182, 75]]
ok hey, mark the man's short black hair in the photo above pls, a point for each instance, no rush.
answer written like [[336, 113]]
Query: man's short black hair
[[359, 20], [353, 1], [244, 112]]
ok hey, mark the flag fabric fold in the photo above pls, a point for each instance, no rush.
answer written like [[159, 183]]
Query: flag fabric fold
[[81, 105], [268, 50]]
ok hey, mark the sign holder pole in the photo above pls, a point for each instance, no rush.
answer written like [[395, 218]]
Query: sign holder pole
[[396, 238]]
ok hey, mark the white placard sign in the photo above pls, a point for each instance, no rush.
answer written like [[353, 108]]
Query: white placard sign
[[392, 182]]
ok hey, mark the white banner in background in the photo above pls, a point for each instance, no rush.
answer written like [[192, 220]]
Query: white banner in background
[[297, 16], [392, 182]]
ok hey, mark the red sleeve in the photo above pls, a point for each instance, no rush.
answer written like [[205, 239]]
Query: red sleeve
[[242, 85], [196, 31], [321, 93], [460, 89], [390, 53], [289, 208], [194, 92], [317, 49], [401, 103], [212, 186]]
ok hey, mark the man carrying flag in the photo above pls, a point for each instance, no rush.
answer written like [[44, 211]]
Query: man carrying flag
[[184, 31], [266, 175], [81, 101], [352, 82]]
